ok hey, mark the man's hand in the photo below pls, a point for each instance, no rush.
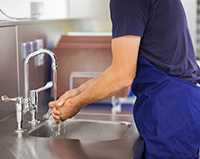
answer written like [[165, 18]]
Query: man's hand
[[69, 109], [59, 107]]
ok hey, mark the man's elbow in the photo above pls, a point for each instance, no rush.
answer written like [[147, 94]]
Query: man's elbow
[[126, 81], [123, 77]]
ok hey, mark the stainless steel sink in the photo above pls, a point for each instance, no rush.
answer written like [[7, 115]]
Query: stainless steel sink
[[83, 130]]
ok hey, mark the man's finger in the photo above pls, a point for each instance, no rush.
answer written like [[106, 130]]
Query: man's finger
[[64, 97], [56, 117], [68, 110], [60, 102], [55, 111], [52, 104]]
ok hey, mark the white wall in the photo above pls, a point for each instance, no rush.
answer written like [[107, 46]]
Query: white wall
[[89, 8], [191, 12], [21, 8], [55, 9], [15, 8]]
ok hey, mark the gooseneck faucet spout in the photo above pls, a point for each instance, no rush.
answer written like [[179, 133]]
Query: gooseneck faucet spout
[[26, 80]]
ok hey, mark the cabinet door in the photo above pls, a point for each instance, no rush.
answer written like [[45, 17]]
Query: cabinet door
[[88, 8], [8, 68]]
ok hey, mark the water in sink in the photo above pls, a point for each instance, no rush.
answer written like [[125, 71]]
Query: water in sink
[[84, 130]]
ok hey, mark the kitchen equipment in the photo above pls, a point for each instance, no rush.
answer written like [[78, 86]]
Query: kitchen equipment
[[29, 103]]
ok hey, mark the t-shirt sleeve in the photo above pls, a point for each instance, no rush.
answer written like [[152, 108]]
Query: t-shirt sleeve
[[129, 17]]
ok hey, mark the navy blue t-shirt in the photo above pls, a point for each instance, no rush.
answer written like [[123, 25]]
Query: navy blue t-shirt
[[162, 24]]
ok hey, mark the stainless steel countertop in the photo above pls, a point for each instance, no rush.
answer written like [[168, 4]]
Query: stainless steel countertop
[[26, 147]]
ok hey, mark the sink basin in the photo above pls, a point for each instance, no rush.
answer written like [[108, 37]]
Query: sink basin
[[83, 130]]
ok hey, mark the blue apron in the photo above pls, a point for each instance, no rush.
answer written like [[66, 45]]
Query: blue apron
[[167, 113]]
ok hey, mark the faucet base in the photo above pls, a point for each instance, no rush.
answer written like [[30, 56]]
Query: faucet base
[[34, 122], [19, 131]]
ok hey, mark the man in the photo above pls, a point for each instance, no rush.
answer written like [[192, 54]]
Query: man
[[152, 37]]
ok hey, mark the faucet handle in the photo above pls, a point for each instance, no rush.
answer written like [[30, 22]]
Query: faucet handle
[[5, 98], [19, 110]]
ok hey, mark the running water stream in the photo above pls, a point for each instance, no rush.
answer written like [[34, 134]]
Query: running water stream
[[56, 128]]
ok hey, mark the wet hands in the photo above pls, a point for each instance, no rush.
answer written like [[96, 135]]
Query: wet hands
[[66, 106]]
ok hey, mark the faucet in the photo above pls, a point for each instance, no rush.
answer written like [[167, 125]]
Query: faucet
[[29, 103], [118, 101], [31, 96], [19, 108]]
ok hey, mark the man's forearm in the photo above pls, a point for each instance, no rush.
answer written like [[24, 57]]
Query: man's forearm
[[104, 86], [73, 92], [85, 85]]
